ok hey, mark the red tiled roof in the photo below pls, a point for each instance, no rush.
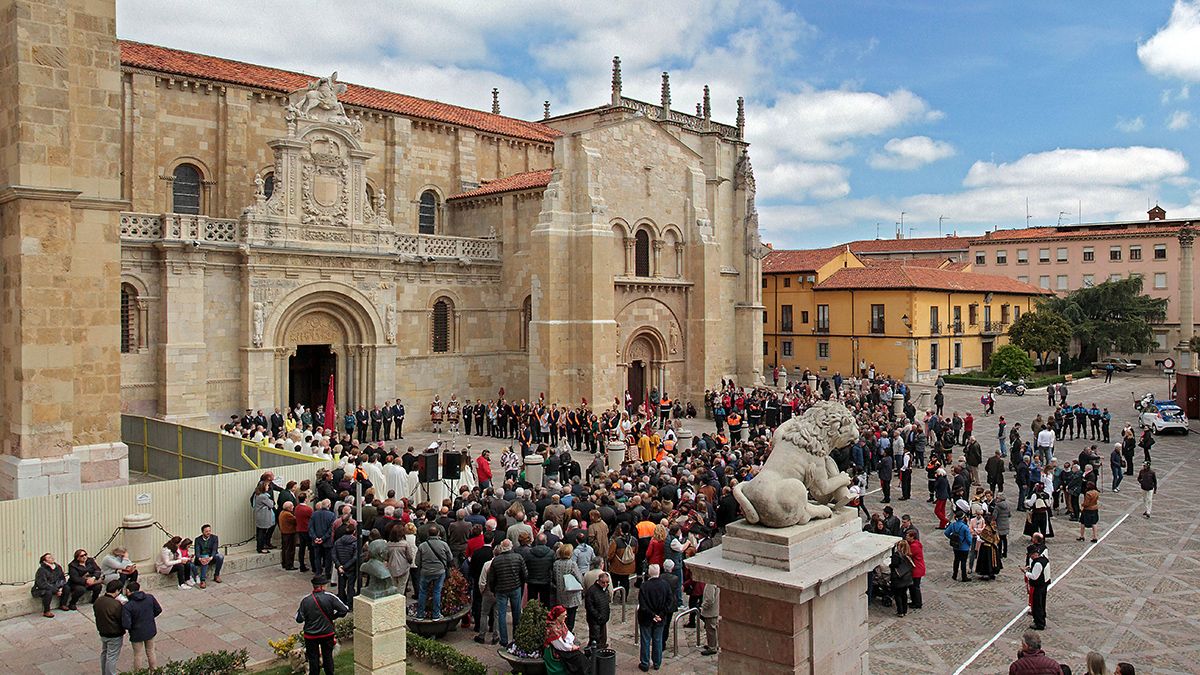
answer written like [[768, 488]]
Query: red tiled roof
[[959, 266], [189, 64], [800, 260], [925, 278], [926, 261], [521, 181], [1079, 232], [915, 245]]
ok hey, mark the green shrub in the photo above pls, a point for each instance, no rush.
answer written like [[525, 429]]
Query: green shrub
[[343, 628], [530, 635], [1011, 361], [444, 656], [208, 663]]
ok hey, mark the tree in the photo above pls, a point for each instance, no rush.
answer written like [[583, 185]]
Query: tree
[[1112, 316], [1011, 361], [1041, 332]]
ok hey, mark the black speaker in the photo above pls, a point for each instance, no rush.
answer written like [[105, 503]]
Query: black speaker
[[452, 465], [427, 468]]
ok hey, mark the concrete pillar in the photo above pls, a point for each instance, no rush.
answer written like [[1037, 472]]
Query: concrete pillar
[[1187, 271], [380, 635], [138, 532], [616, 454], [898, 403], [533, 470], [792, 598]]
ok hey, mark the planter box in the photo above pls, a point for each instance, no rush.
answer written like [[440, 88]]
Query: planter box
[[436, 628], [520, 664]]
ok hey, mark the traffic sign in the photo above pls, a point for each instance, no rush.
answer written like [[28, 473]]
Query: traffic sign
[[1168, 371], [1168, 363]]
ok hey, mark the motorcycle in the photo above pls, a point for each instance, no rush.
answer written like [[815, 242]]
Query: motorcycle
[[1007, 386], [1144, 403]]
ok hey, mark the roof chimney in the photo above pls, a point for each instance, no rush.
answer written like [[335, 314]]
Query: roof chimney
[[495, 101], [1157, 213]]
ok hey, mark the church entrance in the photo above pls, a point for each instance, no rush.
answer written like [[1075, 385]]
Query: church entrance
[[637, 381], [308, 375]]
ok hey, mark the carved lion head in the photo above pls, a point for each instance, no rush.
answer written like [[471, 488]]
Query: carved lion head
[[825, 426]]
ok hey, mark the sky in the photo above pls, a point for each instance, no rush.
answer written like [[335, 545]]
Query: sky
[[982, 114]]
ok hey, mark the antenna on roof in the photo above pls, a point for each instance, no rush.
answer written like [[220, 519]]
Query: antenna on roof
[[1060, 215], [877, 229], [495, 101], [1027, 216], [940, 219]]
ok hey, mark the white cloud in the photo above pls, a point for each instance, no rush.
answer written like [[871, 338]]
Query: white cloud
[[1179, 120], [804, 180], [910, 153], [1172, 52], [1130, 126], [1106, 166]]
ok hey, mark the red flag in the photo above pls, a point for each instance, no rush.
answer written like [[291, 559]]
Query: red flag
[[331, 419]]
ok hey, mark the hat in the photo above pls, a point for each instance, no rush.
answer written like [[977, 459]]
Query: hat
[[319, 580], [432, 446], [962, 505]]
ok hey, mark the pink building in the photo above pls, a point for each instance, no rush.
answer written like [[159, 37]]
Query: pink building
[[1068, 257]]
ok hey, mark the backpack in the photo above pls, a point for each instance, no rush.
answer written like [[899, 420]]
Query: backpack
[[955, 540], [625, 552]]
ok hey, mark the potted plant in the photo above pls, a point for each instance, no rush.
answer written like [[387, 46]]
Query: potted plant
[[456, 602], [525, 654]]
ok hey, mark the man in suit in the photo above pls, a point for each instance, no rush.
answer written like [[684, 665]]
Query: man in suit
[[361, 419], [276, 423], [468, 416], [480, 414], [398, 415], [387, 415], [319, 418], [376, 424], [260, 420]]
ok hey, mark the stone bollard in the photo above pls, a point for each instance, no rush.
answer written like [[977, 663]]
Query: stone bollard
[[380, 635], [533, 470], [139, 536], [616, 454], [898, 404], [684, 437]]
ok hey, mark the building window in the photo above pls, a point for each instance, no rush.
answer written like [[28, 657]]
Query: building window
[[1089, 280], [1135, 252], [804, 316], [973, 314], [1089, 254], [933, 356], [526, 319], [1160, 280], [980, 258], [822, 350], [958, 355], [1043, 255], [877, 319], [1023, 278], [764, 316], [1115, 276], [957, 319], [785, 318], [1001, 257], [129, 319], [764, 282], [1114, 253], [1061, 282], [269, 184], [1022, 256], [935, 320], [427, 213], [787, 282], [987, 316], [1004, 314], [1160, 251], [1044, 281], [185, 190], [1160, 342], [442, 314], [787, 348], [1062, 255], [822, 318], [641, 254], [1016, 312], [765, 350]]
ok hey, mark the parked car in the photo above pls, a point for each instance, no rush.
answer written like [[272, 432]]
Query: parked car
[[1123, 365], [1162, 416]]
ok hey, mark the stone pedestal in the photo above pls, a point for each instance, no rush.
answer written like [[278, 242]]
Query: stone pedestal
[[793, 600], [380, 635], [616, 454], [138, 533], [898, 404], [533, 470]]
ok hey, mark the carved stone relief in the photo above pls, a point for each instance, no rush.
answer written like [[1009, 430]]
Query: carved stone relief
[[315, 329]]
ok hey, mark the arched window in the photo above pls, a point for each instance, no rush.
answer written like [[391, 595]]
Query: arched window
[[443, 313], [641, 254], [269, 184], [370, 196], [526, 318], [185, 190], [129, 319], [427, 214]]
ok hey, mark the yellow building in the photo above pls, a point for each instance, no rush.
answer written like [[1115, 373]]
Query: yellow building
[[829, 311]]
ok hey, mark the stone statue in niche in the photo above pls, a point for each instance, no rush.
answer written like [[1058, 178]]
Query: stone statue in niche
[[673, 339], [800, 480], [391, 324], [260, 318]]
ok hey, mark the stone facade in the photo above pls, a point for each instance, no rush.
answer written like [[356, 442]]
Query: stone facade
[[305, 248]]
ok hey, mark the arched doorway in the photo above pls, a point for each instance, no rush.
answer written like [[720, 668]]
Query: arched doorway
[[644, 369]]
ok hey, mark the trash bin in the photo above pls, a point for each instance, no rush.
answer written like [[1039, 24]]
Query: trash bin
[[606, 662]]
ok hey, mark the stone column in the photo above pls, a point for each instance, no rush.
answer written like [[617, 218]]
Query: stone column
[[380, 635], [533, 470], [793, 599], [1187, 271], [616, 454]]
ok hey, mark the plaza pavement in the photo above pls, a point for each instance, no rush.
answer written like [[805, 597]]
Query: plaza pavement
[[1131, 597]]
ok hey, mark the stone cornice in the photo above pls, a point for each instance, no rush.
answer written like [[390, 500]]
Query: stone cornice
[[10, 193]]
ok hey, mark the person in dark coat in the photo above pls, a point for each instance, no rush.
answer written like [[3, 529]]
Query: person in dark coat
[[901, 571], [83, 575], [48, 583], [596, 604], [137, 618], [655, 606], [885, 478], [107, 611], [317, 612], [345, 559]]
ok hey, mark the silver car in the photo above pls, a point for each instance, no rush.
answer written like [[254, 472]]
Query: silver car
[[1164, 417]]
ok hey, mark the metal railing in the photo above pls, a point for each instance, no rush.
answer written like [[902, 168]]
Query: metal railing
[[624, 600], [675, 628], [935, 328], [957, 327], [994, 326]]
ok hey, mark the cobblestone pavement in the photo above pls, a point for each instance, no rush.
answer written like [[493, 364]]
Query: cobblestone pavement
[[1131, 597]]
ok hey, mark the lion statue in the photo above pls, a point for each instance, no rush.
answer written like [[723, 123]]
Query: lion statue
[[800, 481]]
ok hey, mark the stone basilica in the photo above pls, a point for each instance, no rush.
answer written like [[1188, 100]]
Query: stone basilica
[[188, 236]]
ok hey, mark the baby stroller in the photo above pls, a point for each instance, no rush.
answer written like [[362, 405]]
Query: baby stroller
[[880, 582]]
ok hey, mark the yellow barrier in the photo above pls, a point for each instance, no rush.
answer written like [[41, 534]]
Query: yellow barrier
[[174, 451]]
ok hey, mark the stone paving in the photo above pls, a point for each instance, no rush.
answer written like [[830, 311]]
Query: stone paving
[[1132, 597]]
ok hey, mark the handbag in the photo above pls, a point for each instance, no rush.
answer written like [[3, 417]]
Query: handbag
[[570, 583]]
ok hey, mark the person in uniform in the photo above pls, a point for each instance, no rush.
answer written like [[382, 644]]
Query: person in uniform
[[481, 412], [468, 414], [376, 424], [436, 411], [361, 419], [398, 416], [386, 414], [452, 413]]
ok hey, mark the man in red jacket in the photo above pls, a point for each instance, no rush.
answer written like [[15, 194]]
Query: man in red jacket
[[1031, 660], [483, 470]]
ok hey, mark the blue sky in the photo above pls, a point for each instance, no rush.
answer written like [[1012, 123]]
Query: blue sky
[[857, 110]]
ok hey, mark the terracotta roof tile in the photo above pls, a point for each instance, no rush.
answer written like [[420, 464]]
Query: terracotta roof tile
[[925, 278], [521, 181], [798, 260], [915, 245], [926, 261], [189, 64], [1079, 232]]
